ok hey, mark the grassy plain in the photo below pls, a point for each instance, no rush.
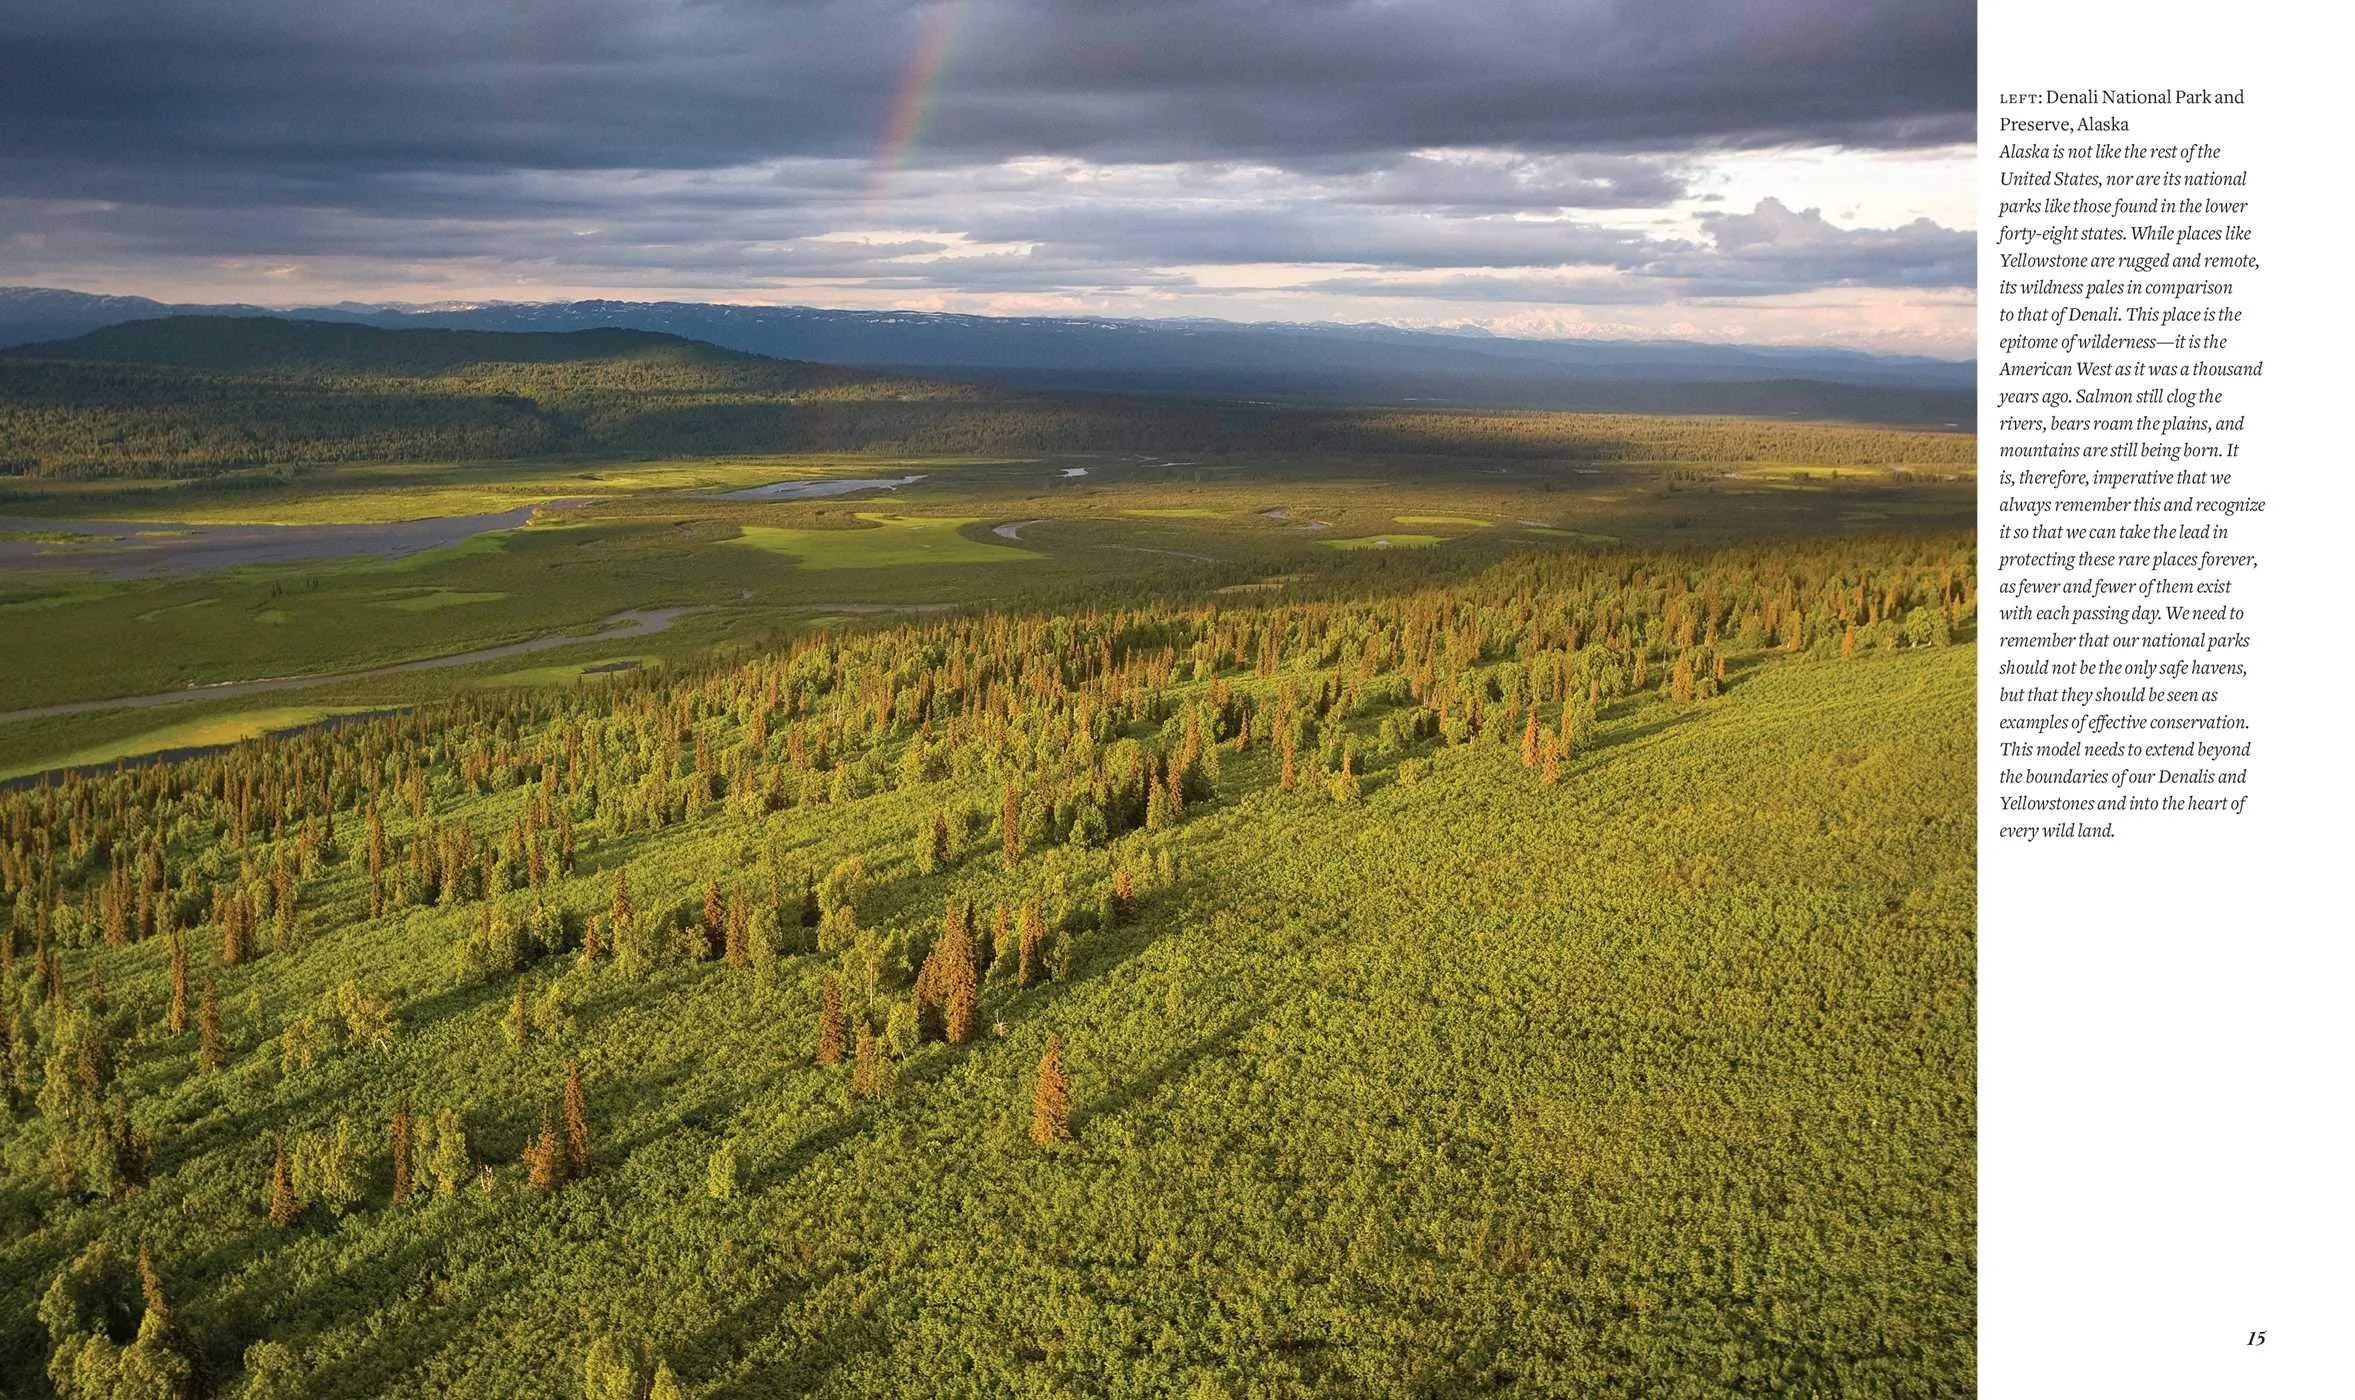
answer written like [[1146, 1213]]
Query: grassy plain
[[891, 542], [1389, 541], [233, 726], [654, 536]]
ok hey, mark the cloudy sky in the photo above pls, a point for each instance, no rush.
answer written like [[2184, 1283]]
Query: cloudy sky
[[1773, 171]]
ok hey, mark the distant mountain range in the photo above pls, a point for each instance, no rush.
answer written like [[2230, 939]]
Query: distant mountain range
[[1314, 363], [202, 395]]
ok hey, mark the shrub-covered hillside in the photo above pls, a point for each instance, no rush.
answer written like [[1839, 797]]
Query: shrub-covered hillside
[[1556, 981]]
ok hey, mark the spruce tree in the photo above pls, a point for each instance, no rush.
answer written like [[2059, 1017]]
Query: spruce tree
[[151, 1294], [832, 1033], [211, 1050], [576, 1121], [1050, 1105], [957, 979], [176, 1015], [870, 1073], [544, 1156], [739, 925], [1030, 933]]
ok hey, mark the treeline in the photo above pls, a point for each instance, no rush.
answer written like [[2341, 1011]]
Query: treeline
[[204, 395]]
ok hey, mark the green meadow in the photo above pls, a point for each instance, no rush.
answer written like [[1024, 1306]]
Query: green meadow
[[886, 542]]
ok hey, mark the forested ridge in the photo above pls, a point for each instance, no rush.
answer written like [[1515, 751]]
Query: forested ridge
[[202, 395], [1550, 980]]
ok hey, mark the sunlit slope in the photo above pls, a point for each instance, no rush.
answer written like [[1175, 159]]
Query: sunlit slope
[[1657, 1081]]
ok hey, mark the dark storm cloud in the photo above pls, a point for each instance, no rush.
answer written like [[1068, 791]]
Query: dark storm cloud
[[351, 88], [1466, 150], [690, 229], [1314, 233]]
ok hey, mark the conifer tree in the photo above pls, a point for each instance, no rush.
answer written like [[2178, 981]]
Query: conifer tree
[[739, 926], [283, 1207], [576, 1121], [211, 1050], [1010, 825], [1030, 933], [176, 1015], [832, 1033], [151, 1295], [622, 912], [1344, 784], [957, 980], [870, 1073], [1050, 1104], [715, 917], [543, 1156], [1124, 894]]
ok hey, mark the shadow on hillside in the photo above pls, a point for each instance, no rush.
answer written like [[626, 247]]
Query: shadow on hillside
[[1220, 1042], [813, 1364], [1613, 738]]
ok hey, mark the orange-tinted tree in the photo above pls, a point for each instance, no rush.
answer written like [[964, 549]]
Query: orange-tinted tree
[[1050, 1104]]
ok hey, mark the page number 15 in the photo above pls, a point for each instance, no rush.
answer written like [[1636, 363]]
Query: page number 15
[[2257, 1338]]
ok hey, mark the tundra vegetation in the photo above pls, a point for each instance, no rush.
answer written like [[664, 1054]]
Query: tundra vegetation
[[1554, 975], [1118, 943]]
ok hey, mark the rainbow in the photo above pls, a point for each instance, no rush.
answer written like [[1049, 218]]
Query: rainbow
[[906, 123]]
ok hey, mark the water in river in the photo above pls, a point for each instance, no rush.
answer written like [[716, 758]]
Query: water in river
[[808, 490]]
